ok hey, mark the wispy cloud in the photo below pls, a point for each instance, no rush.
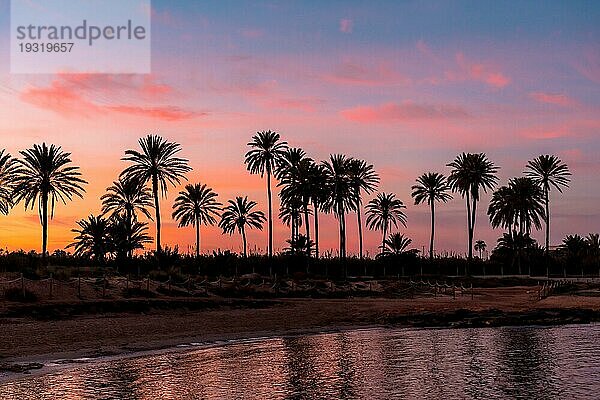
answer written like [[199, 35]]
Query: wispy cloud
[[553, 98], [85, 95], [406, 111]]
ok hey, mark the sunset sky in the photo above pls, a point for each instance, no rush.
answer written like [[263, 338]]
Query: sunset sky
[[405, 85]]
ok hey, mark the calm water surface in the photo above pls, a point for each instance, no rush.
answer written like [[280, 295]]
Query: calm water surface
[[491, 363]]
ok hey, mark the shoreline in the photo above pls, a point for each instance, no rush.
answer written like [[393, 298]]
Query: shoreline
[[25, 342]]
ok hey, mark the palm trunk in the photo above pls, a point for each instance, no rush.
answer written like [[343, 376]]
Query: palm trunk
[[472, 232], [343, 238], [383, 238], [547, 222], [244, 241], [432, 229], [469, 253], [316, 231], [157, 211], [270, 212], [306, 222], [360, 233], [44, 228], [130, 229], [197, 237]]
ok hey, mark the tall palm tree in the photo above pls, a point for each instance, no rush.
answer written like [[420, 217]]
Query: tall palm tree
[[480, 246], [363, 178], [472, 172], [342, 197], [93, 238], [548, 170], [431, 187], [290, 214], [266, 151], [319, 193], [196, 205], [238, 215], [7, 179], [384, 211], [294, 174], [45, 175], [157, 164]]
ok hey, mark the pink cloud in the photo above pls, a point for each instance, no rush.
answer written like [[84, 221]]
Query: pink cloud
[[253, 33], [78, 95], [350, 73], [405, 111], [545, 133], [480, 72], [346, 25], [302, 104], [553, 98]]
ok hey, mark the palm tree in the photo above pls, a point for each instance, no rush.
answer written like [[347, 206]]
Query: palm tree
[[518, 205], [7, 176], [575, 248], [266, 152], [362, 178], [548, 170], [431, 187], [44, 175], [470, 174], [93, 238], [294, 172], [480, 246], [319, 193], [157, 164], [127, 197], [593, 241], [384, 211], [238, 215], [342, 197], [290, 215], [396, 244], [196, 205], [127, 236]]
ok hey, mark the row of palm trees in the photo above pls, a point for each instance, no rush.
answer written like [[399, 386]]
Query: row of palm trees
[[44, 175]]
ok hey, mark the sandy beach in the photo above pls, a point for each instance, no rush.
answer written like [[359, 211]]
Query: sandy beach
[[24, 339]]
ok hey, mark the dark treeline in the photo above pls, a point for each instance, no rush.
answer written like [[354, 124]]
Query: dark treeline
[[114, 238]]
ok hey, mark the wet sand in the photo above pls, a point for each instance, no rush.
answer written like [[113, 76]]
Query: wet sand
[[24, 339]]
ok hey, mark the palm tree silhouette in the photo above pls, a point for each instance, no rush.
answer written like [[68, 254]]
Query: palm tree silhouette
[[264, 156], [384, 211], [127, 236], [362, 178], [548, 170], [480, 246], [342, 197], [396, 244], [44, 175], [431, 187], [470, 174], [517, 206], [294, 175], [290, 215], [93, 238], [127, 198], [238, 215], [156, 163], [7, 176], [196, 205], [319, 193]]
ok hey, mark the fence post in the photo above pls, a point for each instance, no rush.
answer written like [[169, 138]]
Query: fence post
[[23, 284], [189, 284], [453, 291], [79, 286], [148, 283], [50, 284], [127, 284], [471, 290], [103, 286]]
